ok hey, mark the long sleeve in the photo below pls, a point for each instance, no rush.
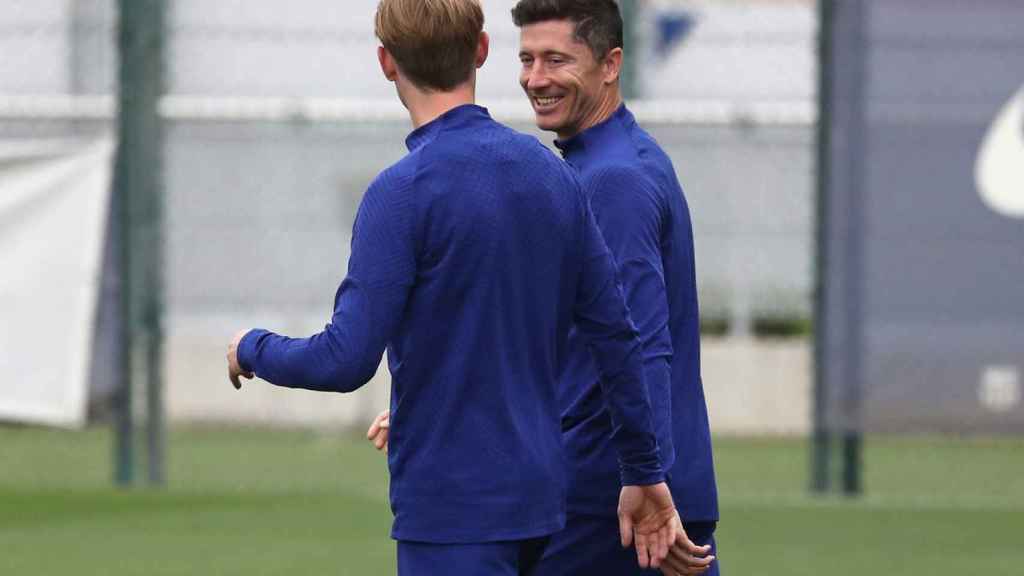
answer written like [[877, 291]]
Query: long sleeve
[[630, 218], [367, 306], [602, 317]]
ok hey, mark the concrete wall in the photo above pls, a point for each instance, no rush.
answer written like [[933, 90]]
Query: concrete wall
[[758, 386], [753, 387]]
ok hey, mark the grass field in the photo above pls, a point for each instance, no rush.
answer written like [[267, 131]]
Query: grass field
[[253, 502]]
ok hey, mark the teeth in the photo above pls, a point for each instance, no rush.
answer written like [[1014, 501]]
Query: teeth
[[547, 100]]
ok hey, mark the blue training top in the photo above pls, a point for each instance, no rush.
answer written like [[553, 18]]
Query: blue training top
[[471, 258], [643, 215]]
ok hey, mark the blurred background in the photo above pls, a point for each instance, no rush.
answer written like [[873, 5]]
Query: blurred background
[[855, 173]]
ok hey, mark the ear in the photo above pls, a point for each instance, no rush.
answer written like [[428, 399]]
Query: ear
[[482, 49], [387, 64], [612, 65]]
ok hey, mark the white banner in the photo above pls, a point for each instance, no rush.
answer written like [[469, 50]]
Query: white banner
[[53, 211]]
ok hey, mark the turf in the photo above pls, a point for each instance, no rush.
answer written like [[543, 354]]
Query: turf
[[251, 502]]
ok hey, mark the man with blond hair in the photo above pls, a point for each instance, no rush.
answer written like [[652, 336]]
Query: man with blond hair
[[471, 258]]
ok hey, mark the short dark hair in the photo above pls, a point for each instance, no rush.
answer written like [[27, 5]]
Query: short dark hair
[[598, 22]]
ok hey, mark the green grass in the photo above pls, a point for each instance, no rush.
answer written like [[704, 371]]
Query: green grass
[[252, 502]]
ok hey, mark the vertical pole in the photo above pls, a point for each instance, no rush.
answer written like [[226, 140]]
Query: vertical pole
[[138, 189], [852, 448], [851, 398], [153, 229], [630, 79], [124, 425], [820, 441]]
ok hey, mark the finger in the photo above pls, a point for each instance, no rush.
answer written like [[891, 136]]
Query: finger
[[665, 543], [700, 563], [683, 542], [625, 531], [672, 566], [234, 379], [653, 546], [652, 550], [379, 421], [691, 561], [692, 570], [381, 440], [665, 538], [694, 562], [685, 555], [373, 430], [683, 571], [643, 555]]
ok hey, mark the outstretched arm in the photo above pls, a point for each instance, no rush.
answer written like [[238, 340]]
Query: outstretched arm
[[368, 305]]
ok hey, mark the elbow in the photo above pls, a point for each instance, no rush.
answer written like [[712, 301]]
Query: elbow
[[346, 378]]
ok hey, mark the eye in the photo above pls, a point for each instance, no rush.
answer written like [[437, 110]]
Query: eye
[[526, 60], [556, 60]]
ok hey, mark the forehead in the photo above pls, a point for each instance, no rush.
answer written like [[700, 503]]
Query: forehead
[[557, 35]]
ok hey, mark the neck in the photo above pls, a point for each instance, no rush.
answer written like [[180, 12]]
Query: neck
[[424, 107], [603, 110]]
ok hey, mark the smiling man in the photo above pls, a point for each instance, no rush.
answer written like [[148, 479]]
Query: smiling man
[[571, 53]]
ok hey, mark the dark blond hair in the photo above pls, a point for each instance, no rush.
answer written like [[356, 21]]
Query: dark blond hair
[[434, 42]]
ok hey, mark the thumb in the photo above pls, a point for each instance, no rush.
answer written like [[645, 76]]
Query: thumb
[[625, 530]]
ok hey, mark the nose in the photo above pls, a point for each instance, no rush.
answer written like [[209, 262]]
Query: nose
[[534, 76]]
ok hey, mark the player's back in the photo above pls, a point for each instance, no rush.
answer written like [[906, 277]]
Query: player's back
[[498, 227]]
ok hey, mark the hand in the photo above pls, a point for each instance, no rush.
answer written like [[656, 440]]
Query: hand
[[234, 368], [378, 432], [648, 519], [686, 558]]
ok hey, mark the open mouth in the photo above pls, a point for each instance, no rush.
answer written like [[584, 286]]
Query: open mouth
[[542, 103]]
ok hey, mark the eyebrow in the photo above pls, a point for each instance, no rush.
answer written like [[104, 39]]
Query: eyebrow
[[546, 53]]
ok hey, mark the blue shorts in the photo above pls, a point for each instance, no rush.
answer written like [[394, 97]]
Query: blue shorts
[[590, 545], [516, 558]]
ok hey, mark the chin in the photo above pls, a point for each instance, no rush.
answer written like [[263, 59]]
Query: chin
[[547, 123]]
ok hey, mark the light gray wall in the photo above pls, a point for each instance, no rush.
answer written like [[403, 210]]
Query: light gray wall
[[925, 323]]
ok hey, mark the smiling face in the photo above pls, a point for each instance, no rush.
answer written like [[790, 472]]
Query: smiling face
[[570, 90]]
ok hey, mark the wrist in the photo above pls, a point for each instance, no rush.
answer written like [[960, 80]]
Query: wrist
[[244, 351]]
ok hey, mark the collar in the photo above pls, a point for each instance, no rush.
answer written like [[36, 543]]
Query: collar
[[458, 116], [574, 149]]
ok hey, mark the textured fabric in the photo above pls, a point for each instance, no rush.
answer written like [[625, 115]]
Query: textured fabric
[[590, 546], [518, 558], [471, 258], [643, 215]]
